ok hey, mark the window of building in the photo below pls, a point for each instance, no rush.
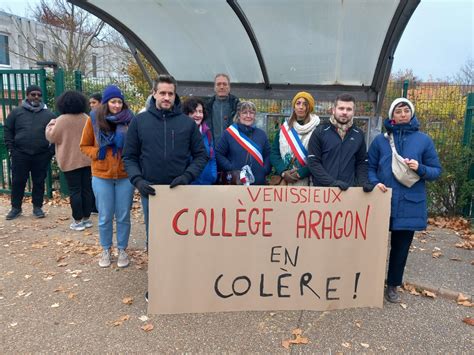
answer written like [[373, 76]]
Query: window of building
[[4, 50], [94, 65], [40, 49]]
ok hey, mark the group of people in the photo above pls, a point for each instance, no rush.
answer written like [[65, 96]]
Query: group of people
[[109, 152]]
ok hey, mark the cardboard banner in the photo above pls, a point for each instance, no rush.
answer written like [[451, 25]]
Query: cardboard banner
[[236, 248]]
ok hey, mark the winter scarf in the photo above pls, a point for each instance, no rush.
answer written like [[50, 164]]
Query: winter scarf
[[26, 105], [114, 140], [205, 130], [341, 128]]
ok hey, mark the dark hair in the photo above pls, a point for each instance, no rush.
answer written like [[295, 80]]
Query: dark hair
[[345, 98], [165, 79], [71, 102], [103, 111], [402, 104], [191, 104], [96, 96]]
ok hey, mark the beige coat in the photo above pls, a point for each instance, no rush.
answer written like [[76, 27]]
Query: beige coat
[[65, 132]]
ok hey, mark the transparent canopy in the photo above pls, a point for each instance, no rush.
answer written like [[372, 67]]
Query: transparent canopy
[[271, 46]]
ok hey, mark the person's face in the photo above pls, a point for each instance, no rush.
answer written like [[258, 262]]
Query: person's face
[[164, 95], [34, 98], [301, 108], [93, 103], [344, 111], [222, 86], [401, 114], [198, 114], [115, 105], [247, 117]]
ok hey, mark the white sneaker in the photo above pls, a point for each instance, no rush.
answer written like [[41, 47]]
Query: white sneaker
[[87, 223], [77, 226], [122, 260], [105, 259]]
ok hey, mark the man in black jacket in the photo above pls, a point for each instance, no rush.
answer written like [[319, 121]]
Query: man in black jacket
[[163, 145], [29, 150], [337, 154], [222, 107]]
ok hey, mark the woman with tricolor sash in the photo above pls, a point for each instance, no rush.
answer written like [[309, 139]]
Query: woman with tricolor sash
[[243, 146], [289, 149]]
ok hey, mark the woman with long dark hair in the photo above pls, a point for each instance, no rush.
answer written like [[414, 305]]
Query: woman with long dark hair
[[102, 140]]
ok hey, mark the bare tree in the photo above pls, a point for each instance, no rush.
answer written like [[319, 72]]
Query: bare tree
[[72, 35], [465, 75]]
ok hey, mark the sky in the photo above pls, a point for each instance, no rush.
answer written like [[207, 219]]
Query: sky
[[437, 42]]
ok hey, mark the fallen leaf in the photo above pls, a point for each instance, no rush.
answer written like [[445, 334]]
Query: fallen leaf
[[403, 305], [14, 324], [365, 345], [55, 305], [346, 345], [468, 320], [455, 259], [462, 298], [428, 294], [297, 331], [436, 249], [436, 254], [285, 344], [27, 276], [62, 264], [143, 318], [358, 323], [147, 327], [71, 295], [466, 304], [127, 300]]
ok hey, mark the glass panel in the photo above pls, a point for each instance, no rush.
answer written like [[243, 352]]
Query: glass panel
[[320, 42], [193, 39], [4, 50]]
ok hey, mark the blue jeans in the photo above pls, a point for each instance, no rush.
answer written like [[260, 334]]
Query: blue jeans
[[145, 214], [113, 197]]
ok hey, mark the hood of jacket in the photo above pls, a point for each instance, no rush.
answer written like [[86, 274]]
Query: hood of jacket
[[412, 126]]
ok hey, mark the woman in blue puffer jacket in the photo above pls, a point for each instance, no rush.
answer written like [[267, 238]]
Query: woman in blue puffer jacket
[[408, 207], [194, 108]]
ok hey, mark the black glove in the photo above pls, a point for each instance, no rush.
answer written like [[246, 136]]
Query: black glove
[[180, 180], [368, 187], [144, 188], [341, 184]]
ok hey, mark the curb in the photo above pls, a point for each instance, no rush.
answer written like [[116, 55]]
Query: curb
[[439, 291]]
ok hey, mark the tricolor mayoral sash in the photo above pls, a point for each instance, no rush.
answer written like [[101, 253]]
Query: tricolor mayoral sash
[[245, 142], [295, 143]]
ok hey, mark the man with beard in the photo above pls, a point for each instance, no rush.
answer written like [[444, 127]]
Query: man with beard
[[337, 154], [29, 150]]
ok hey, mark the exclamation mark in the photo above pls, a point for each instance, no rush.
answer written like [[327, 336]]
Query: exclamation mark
[[355, 285]]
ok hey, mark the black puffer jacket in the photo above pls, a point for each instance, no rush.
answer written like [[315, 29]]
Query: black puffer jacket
[[162, 145], [25, 131], [331, 158], [233, 102]]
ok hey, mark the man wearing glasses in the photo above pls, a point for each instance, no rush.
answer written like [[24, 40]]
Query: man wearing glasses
[[29, 150]]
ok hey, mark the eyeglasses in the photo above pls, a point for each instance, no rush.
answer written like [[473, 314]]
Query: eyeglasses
[[247, 113], [35, 94]]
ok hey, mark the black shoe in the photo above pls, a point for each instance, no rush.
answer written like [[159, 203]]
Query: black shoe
[[14, 213], [146, 296], [38, 212], [391, 294]]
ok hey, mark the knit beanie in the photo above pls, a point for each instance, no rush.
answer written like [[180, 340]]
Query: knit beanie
[[33, 88], [305, 95], [111, 92], [399, 101]]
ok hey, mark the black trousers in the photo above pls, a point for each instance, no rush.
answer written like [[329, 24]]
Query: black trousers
[[400, 242], [22, 165], [80, 192]]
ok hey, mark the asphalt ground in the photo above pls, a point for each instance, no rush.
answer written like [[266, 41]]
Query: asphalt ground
[[55, 298]]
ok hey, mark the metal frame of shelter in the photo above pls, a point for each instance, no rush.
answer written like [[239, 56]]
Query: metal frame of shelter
[[267, 89]]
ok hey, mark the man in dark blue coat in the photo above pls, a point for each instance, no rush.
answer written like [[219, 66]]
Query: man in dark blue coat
[[163, 145], [337, 154]]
